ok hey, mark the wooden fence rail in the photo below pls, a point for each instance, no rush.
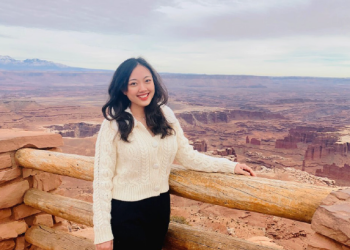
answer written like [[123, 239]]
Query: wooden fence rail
[[280, 198]]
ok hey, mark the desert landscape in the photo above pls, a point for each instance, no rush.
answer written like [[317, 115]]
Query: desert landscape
[[286, 128]]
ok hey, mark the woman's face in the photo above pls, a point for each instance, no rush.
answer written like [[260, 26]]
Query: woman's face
[[140, 87]]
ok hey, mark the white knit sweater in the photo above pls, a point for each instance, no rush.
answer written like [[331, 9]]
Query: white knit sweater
[[140, 169]]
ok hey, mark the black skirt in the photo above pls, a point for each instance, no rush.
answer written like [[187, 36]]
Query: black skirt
[[140, 224]]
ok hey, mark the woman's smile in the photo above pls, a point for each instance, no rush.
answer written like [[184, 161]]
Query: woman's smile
[[143, 97]]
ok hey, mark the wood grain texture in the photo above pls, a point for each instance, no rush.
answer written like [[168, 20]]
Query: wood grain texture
[[64, 207], [182, 237], [179, 237], [48, 238], [291, 200], [81, 167], [286, 199]]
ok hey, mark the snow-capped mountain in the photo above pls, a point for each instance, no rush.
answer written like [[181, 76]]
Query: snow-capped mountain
[[9, 63]]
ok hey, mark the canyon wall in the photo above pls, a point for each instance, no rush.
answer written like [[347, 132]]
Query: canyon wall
[[333, 171], [77, 130], [323, 141], [208, 117]]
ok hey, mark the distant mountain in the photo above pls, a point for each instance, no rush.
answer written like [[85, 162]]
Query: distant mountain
[[8, 63]]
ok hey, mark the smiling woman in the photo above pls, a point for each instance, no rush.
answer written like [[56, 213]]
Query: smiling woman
[[138, 141], [140, 89]]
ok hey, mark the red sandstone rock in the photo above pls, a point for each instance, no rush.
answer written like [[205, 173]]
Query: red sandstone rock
[[5, 213], [40, 140], [29, 172], [77, 130], [62, 226], [58, 219], [200, 146], [247, 140], [320, 242], [22, 211], [222, 152], [335, 172], [7, 244], [225, 116], [26, 172], [254, 141], [46, 181], [5, 160], [8, 174], [20, 243], [12, 229], [285, 144], [12, 194], [43, 219], [332, 217]]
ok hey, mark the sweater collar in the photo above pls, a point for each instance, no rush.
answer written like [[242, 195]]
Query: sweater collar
[[169, 115], [129, 111]]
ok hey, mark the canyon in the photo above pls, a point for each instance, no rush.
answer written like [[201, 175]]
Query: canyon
[[286, 128]]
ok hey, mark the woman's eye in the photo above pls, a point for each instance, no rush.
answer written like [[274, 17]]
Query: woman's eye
[[132, 83], [148, 80]]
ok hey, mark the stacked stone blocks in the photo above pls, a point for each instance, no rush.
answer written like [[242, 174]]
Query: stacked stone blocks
[[16, 217]]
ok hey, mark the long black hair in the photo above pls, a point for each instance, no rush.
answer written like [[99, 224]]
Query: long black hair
[[118, 102]]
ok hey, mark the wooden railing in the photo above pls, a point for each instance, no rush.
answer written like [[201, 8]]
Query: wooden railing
[[280, 198]]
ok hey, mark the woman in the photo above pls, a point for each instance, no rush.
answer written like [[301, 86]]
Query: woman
[[138, 141]]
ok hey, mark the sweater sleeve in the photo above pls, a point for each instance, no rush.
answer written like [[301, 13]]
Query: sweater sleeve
[[192, 159], [104, 170]]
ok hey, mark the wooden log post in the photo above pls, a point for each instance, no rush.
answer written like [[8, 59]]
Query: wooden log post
[[286, 199], [182, 237], [48, 238], [291, 200], [64, 207], [179, 237], [77, 166]]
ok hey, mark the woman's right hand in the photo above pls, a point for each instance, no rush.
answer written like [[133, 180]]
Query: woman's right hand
[[108, 245]]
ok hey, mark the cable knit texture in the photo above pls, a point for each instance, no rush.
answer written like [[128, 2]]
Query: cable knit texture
[[140, 169]]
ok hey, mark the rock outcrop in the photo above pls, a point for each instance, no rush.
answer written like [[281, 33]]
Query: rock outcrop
[[333, 171], [332, 217], [307, 134], [255, 141], [199, 145], [77, 130], [285, 143], [208, 117], [228, 153]]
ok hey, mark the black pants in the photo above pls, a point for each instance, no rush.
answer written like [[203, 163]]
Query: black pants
[[140, 224]]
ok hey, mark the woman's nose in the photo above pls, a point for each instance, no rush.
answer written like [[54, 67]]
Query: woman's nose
[[143, 86]]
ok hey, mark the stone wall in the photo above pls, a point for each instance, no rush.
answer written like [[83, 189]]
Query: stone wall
[[15, 216]]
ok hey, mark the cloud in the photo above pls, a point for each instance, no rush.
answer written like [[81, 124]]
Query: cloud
[[254, 20], [270, 37], [184, 19], [108, 16]]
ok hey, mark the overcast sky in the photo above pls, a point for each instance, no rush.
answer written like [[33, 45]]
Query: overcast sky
[[245, 37]]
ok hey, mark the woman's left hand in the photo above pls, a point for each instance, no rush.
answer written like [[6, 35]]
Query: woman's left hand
[[244, 170]]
